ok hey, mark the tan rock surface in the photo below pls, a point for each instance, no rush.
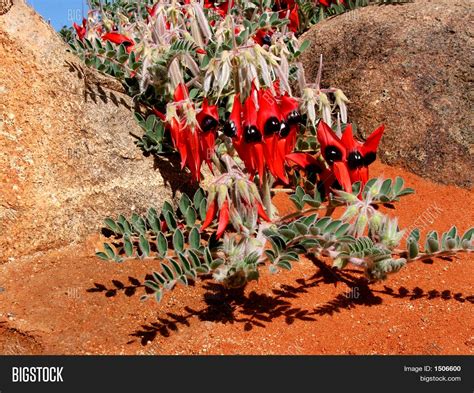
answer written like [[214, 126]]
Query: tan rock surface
[[67, 159], [408, 66]]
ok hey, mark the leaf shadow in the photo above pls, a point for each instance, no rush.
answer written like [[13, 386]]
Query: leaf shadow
[[117, 286]]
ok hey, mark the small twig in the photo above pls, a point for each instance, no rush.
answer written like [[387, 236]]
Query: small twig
[[266, 184], [301, 213], [438, 254]]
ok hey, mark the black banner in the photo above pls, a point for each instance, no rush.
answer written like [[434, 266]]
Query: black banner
[[240, 373]]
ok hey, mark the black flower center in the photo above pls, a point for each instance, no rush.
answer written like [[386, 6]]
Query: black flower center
[[230, 129], [267, 39], [294, 118], [272, 125], [252, 134], [369, 158], [355, 160], [208, 123], [284, 129], [332, 154]]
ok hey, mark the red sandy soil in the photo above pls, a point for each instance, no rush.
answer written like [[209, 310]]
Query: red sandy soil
[[69, 302]]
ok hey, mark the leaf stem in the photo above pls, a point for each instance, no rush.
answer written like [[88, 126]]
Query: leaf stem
[[438, 254]]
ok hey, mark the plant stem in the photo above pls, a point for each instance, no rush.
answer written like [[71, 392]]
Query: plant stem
[[301, 213], [438, 254], [267, 182]]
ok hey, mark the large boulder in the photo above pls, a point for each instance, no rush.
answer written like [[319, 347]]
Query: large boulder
[[408, 66], [67, 156]]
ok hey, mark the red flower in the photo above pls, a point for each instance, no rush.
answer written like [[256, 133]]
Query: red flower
[[263, 37], [252, 135], [262, 213], [223, 219], [211, 212], [335, 155], [304, 160], [269, 121], [81, 30], [265, 137], [223, 212], [221, 8], [120, 39], [152, 10], [348, 159], [289, 130], [282, 7], [361, 155], [195, 142], [208, 119], [294, 24]]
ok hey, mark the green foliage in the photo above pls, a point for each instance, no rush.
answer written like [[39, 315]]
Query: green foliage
[[166, 236], [388, 191], [218, 69], [450, 242], [153, 139]]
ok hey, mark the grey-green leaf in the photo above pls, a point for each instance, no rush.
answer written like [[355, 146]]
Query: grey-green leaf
[[412, 249], [128, 246], [144, 245], [178, 240], [194, 238], [162, 244]]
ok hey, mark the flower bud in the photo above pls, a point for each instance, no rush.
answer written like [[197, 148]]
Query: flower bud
[[211, 194], [341, 100], [374, 189], [254, 191], [310, 101], [243, 191], [360, 224], [347, 197], [391, 236], [325, 108], [375, 222], [350, 213], [221, 194], [235, 219]]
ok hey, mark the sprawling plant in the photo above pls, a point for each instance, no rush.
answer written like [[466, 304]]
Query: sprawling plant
[[220, 84]]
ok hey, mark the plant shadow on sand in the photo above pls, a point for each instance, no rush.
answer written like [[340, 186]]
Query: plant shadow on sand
[[255, 310]]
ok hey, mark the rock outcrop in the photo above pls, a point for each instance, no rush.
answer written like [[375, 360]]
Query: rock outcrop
[[408, 66], [67, 156]]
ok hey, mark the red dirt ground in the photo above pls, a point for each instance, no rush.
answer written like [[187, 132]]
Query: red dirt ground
[[69, 302]]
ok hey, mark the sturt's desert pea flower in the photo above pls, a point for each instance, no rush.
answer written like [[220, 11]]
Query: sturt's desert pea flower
[[192, 132], [263, 37], [246, 137], [234, 199], [294, 18], [361, 155], [81, 30], [264, 137], [120, 39], [335, 155], [208, 120], [153, 10], [222, 8], [348, 158], [288, 9]]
